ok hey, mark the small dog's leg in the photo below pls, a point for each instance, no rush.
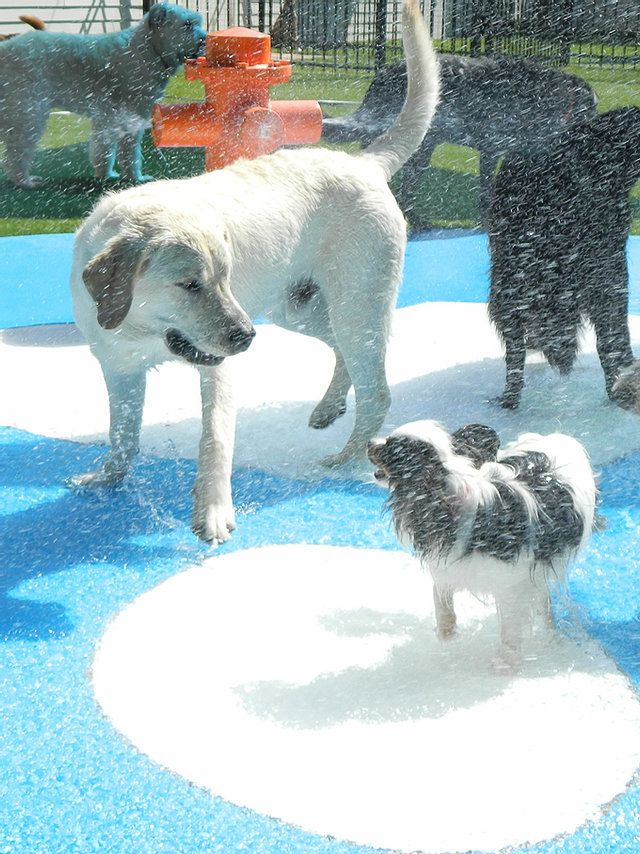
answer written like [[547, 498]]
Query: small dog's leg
[[445, 614], [126, 402], [514, 613], [334, 402], [102, 152], [213, 514], [515, 353], [130, 157]]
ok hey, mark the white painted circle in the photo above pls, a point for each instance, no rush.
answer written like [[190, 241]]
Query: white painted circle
[[306, 683]]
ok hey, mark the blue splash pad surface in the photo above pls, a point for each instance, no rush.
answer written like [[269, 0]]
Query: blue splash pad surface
[[68, 782], [437, 269]]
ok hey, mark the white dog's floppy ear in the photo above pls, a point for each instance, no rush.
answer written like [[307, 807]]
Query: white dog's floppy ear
[[109, 279]]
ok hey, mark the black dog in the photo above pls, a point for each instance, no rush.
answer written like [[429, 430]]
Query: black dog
[[558, 227], [494, 105]]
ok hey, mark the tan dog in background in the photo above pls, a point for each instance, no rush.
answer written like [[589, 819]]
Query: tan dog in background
[[113, 78], [312, 238], [32, 20]]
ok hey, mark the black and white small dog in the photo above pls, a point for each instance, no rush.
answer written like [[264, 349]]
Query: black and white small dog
[[493, 522]]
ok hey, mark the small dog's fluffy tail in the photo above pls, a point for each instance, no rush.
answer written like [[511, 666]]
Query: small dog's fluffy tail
[[396, 145]]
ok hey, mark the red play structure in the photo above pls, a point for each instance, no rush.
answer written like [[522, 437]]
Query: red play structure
[[237, 119]]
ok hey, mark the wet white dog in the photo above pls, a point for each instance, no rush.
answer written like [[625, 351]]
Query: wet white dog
[[311, 237], [113, 78], [494, 522]]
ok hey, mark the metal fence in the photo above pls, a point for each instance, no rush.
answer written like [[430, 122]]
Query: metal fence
[[364, 34]]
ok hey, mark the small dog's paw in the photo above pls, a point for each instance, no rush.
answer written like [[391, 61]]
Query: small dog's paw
[[323, 416], [213, 524], [446, 633], [506, 663]]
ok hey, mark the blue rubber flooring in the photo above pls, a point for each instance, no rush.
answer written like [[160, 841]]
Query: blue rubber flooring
[[69, 563], [437, 269], [68, 782]]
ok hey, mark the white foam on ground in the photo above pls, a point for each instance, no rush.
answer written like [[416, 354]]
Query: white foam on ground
[[444, 362], [306, 683]]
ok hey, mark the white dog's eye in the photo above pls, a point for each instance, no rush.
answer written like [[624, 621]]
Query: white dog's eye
[[192, 285]]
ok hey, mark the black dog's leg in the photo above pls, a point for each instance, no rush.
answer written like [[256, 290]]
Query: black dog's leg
[[608, 314], [614, 350], [488, 166], [515, 353]]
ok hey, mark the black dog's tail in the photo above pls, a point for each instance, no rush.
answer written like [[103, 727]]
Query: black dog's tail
[[396, 145]]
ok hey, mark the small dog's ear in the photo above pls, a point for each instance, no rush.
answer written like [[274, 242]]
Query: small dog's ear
[[477, 441], [156, 15], [109, 279]]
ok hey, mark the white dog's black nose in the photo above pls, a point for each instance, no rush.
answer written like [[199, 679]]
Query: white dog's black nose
[[241, 337]]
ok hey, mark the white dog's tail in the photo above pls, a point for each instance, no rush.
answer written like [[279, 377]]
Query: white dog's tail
[[396, 145]]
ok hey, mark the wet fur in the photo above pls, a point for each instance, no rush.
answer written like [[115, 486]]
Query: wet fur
[[193, 260], [558, 228], [113, 78], [495, 522], [496, 105]]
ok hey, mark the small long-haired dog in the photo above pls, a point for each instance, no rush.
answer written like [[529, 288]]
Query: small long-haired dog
[[558, 229], [490, 521]]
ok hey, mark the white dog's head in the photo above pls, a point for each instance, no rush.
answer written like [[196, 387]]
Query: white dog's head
[[170, 280], [176, 33]]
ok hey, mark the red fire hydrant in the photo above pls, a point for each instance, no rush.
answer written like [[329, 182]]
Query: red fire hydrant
[[237, 119]]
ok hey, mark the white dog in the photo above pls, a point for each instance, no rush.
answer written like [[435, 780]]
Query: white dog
[[312, 237], [113, 78], [497, 523]]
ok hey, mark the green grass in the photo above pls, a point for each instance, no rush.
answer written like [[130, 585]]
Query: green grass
[[448, 195]]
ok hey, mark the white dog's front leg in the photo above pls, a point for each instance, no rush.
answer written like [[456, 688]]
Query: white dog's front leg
[[213, 515], [126, 402]]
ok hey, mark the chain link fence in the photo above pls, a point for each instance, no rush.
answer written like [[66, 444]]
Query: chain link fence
[[364, 34]]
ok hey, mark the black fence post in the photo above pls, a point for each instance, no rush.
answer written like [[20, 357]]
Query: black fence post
[[380, 35]]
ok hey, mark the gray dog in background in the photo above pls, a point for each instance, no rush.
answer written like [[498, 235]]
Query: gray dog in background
[[495, 105], [114, 79]]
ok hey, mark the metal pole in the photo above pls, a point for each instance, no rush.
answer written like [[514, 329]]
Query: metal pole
[[380, 34]]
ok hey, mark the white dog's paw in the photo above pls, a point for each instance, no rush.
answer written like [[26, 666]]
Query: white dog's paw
[[213, 524], [323, 415], [107, 475], [334, 461]]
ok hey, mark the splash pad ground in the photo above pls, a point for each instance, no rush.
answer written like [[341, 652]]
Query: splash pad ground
[[285, 693]]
